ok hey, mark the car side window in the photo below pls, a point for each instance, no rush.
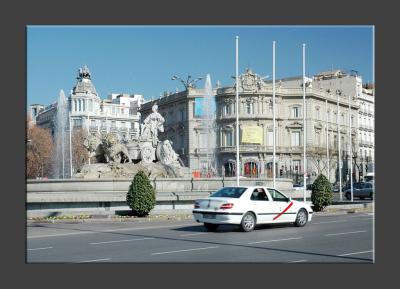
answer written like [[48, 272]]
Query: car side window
[[259, 195], [277, 196]]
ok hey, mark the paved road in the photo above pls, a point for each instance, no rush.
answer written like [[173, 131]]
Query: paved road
[[331, 239]]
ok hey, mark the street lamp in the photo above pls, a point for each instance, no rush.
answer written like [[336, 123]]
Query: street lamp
[[188, 83]]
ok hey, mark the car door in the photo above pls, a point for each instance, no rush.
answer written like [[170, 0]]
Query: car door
[[284, 209], [262, 205]]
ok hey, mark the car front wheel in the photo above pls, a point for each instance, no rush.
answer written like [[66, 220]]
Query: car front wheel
[[348, 196], [248, 222], [301, 218]]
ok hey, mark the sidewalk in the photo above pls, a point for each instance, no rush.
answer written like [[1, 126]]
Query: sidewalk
[[159, 215]]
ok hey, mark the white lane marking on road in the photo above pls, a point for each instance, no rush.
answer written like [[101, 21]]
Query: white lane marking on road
[[356, 253], [345, 233], [341, 221], [274, 240], [196, 249], [33, 249], [119, 241], [193, 234], [298, 261], [97, 260], [109, 231]]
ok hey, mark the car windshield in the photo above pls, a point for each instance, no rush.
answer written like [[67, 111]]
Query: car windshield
[[229, 192]]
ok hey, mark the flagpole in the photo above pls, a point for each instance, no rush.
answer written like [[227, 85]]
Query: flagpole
[[339, 165], [70, 144], [351, 153], [237, 111], [304, 121], [327, 139], [273, 113]]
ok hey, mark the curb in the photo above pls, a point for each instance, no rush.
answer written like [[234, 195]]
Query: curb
[[182, 215]]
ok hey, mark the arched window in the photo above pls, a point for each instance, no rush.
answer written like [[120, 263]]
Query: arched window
[[230, 168], [251, 169]]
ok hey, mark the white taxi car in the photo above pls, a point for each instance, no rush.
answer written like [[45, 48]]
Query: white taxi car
[[249, 206]]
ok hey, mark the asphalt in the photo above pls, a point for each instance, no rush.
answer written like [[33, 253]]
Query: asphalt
[[329, 238]]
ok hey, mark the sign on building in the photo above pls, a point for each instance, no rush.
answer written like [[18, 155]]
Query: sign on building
[[252, 134]]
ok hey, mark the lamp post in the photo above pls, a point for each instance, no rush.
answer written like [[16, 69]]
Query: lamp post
[[188, 83]]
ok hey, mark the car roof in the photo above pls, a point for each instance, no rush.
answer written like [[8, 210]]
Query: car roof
[[250, 187]]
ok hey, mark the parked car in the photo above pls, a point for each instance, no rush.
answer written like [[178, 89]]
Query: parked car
[[248, 206], [360, 190], [300, 186]]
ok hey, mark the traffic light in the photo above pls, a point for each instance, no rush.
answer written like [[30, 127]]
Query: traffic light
[[281, 172]]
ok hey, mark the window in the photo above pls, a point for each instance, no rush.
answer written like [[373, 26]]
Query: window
[[270, 135], [91, 105], [229, 192], [295, 112], [317, 113], [203, 140], [318, 138], [251, 169], [296, 138], [230, 170], [259, 195], [227, 109], [229, 138], [296, 165], [277, 196], [249, 107]]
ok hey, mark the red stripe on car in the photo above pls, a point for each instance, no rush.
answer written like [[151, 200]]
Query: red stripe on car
[[287, 208]]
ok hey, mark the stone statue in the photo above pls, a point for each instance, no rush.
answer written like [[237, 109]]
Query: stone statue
[[114, 151], [166, 154], [151, 125], [91, 143]]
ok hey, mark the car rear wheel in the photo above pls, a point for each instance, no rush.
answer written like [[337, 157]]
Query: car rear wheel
[[211, 227], [371, 196], [301, 218], [248, 222]]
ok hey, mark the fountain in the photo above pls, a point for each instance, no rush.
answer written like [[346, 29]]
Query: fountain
[[209, 126], [61, 160], [121, 158]]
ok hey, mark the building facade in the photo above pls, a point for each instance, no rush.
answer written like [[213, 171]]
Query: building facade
[[366, 131], [324, 126], [118, 114]]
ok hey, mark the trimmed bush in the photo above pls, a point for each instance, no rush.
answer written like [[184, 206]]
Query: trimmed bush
[[322, 194], [141, 197]]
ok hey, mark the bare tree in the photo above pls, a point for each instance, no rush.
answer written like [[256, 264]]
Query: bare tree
[[80, 154], [39, 151]]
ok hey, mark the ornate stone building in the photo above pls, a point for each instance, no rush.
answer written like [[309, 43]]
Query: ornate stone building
[[117, 114], [188, 132]]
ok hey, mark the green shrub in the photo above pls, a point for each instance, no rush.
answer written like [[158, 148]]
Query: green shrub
[[322, 194], [141, 197]]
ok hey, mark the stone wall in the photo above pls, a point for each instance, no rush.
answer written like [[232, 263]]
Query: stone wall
[[107, 196]]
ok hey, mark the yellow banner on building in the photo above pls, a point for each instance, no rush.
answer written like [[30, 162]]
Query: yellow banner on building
[[252, 134]]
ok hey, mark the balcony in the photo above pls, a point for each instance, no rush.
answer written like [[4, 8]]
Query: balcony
[[259, 149], [93, 128]]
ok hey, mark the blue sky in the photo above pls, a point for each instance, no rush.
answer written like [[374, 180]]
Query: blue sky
[[142, 59]]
